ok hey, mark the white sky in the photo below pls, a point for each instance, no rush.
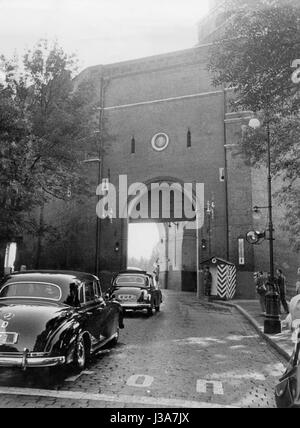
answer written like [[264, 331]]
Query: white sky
[[101, 31], [142, 239]]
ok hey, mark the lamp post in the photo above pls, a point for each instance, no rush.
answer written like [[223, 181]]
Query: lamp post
[[272, 324]]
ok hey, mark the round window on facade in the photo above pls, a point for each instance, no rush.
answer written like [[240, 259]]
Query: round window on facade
[[160, 142]]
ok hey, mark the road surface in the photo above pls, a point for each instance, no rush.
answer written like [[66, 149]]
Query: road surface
[[191, 354]]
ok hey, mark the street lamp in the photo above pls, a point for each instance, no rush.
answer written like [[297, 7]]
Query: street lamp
[[272, 324], [255, 237]]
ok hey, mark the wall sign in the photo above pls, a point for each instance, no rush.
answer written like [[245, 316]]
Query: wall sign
[[241, 251], [222, 174]]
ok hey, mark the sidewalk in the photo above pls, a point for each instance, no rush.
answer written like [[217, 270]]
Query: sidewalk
[[251, 310]]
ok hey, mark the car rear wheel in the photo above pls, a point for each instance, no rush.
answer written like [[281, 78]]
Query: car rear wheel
[[81, 354]]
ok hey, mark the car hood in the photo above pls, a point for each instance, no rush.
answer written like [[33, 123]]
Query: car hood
[[33, 323]]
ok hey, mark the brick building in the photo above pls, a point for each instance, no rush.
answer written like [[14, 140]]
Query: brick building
[[172, 94]]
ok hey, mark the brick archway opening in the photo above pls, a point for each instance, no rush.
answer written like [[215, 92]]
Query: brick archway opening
[[176, 249]]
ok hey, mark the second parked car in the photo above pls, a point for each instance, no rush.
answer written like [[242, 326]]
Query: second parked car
[[136, 290]]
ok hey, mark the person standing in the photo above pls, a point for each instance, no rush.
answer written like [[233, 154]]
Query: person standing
[[281, 284], [261, 290], [207, 280], [156, 270]]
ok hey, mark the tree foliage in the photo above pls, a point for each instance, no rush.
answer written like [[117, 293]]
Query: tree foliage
[[253, 57], [43, 125], [255, 53]]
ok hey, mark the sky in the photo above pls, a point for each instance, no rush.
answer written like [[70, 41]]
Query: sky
[[101, 31], [142, 239]]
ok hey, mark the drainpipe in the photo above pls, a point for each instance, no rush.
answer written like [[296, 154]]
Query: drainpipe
[[226, 176], [167, 257], [103, 85]]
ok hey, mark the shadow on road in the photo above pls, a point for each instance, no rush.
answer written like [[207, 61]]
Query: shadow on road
[[49, 378]]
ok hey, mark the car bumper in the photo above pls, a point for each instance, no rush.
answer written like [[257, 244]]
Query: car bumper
[[27, 360], [136, 305]]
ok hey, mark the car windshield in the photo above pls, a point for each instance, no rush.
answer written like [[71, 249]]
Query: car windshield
[[131, 281], [31, 290]]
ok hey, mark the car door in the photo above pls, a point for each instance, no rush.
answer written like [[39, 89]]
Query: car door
[[90, 309], [102, 312]]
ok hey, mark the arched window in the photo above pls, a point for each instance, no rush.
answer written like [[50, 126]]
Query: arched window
[[132, 145], [189, 139]]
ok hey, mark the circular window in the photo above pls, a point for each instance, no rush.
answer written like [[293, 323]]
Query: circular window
[[160, 142]]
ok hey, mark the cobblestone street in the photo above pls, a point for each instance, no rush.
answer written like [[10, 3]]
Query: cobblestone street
[[191, 354]]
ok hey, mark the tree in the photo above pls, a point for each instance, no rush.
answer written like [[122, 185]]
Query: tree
[[44, 121], [253, 57], [17, 179]]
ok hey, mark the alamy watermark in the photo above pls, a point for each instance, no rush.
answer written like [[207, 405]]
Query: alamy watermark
[[156, 201]]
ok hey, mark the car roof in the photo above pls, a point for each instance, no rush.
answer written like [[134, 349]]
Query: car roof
[[135, 272], [59, 276]]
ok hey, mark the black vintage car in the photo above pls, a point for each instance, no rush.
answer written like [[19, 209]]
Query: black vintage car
[[135, 289], [51, 318]]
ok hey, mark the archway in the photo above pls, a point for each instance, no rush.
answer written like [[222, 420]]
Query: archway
[[143, 245], [177, 245]]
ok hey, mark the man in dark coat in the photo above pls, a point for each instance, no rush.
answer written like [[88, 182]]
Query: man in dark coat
[[281, 284], [261, 290], [207, 280]]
